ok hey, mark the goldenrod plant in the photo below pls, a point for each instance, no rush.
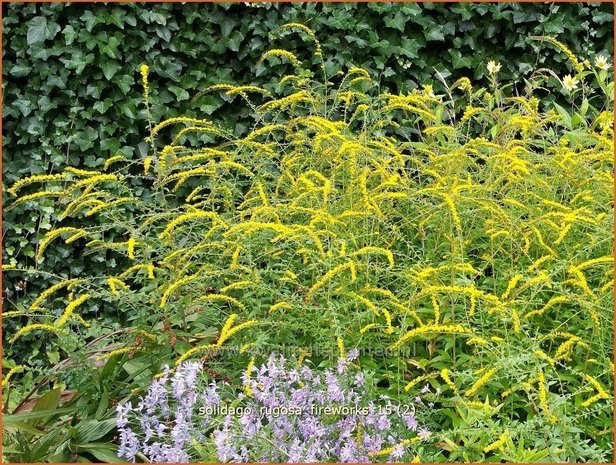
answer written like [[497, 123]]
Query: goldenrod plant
[[457, 236]]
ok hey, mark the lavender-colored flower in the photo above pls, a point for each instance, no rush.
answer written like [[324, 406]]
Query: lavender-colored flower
[[398, 452], [291, 414], [348, 453], [410, 421]]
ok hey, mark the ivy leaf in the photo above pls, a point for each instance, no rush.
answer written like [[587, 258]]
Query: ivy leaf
[[91, 20], [397, 22], [110, 47], [20, 70], [102, 106], [40, 30], [110, 68], [125, 83], [180, 93], [69, 34]]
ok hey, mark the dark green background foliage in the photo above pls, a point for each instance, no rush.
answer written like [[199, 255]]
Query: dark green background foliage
[[71, 74]]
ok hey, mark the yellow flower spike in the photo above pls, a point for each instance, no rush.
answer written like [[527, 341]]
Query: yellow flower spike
[[601, 393], [543, 397], [581, 281], [281, 54], [145, 334], [477, 340], [285, 102], [236, 285], [130, 248], [222, 298], [329, 275], [564, 350], [280, 305], [227, 325], [513, 282], [540, 261], [191, 216], [51, 235], [230, 332], [541, 354], [318, 53], [12, 371], [367, 302], [112, 160], [498, 444], [114, 283], [70, 308], [341, 350], [180, 119], [29, 328], [147, 163], [430, 328], [553, 301], [595, 261], [542, 241], [303, 353], [416, 381], [174, 286], [445, 375], [390, 328], [481, 381], [144, 78], [367, 328], [35, 179], [80, 172], [248, 372], [464, 84], [436, 307], [246, 347], [113, 353], [89, 183], [579, 67], [365, 250], [389, 450], [47, 292], [515, 316], [104, 205]]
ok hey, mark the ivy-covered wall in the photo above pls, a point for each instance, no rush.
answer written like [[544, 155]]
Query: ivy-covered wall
[[71, 73]]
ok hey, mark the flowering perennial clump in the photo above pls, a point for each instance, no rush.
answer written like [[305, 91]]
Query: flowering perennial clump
[[287, 413], [458, 230]]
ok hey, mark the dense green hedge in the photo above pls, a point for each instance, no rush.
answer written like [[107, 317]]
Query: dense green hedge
[[70, 72]]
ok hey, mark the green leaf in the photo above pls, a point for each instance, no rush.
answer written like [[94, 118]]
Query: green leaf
[[564, 114], [30, 416], [397, 22], [69, 34], [40, 30], [90, 430], [105, 452], [102, 105], [124, 82], [91, 20], [110, 68], [50, 400], [180, 93], [109, 47]]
